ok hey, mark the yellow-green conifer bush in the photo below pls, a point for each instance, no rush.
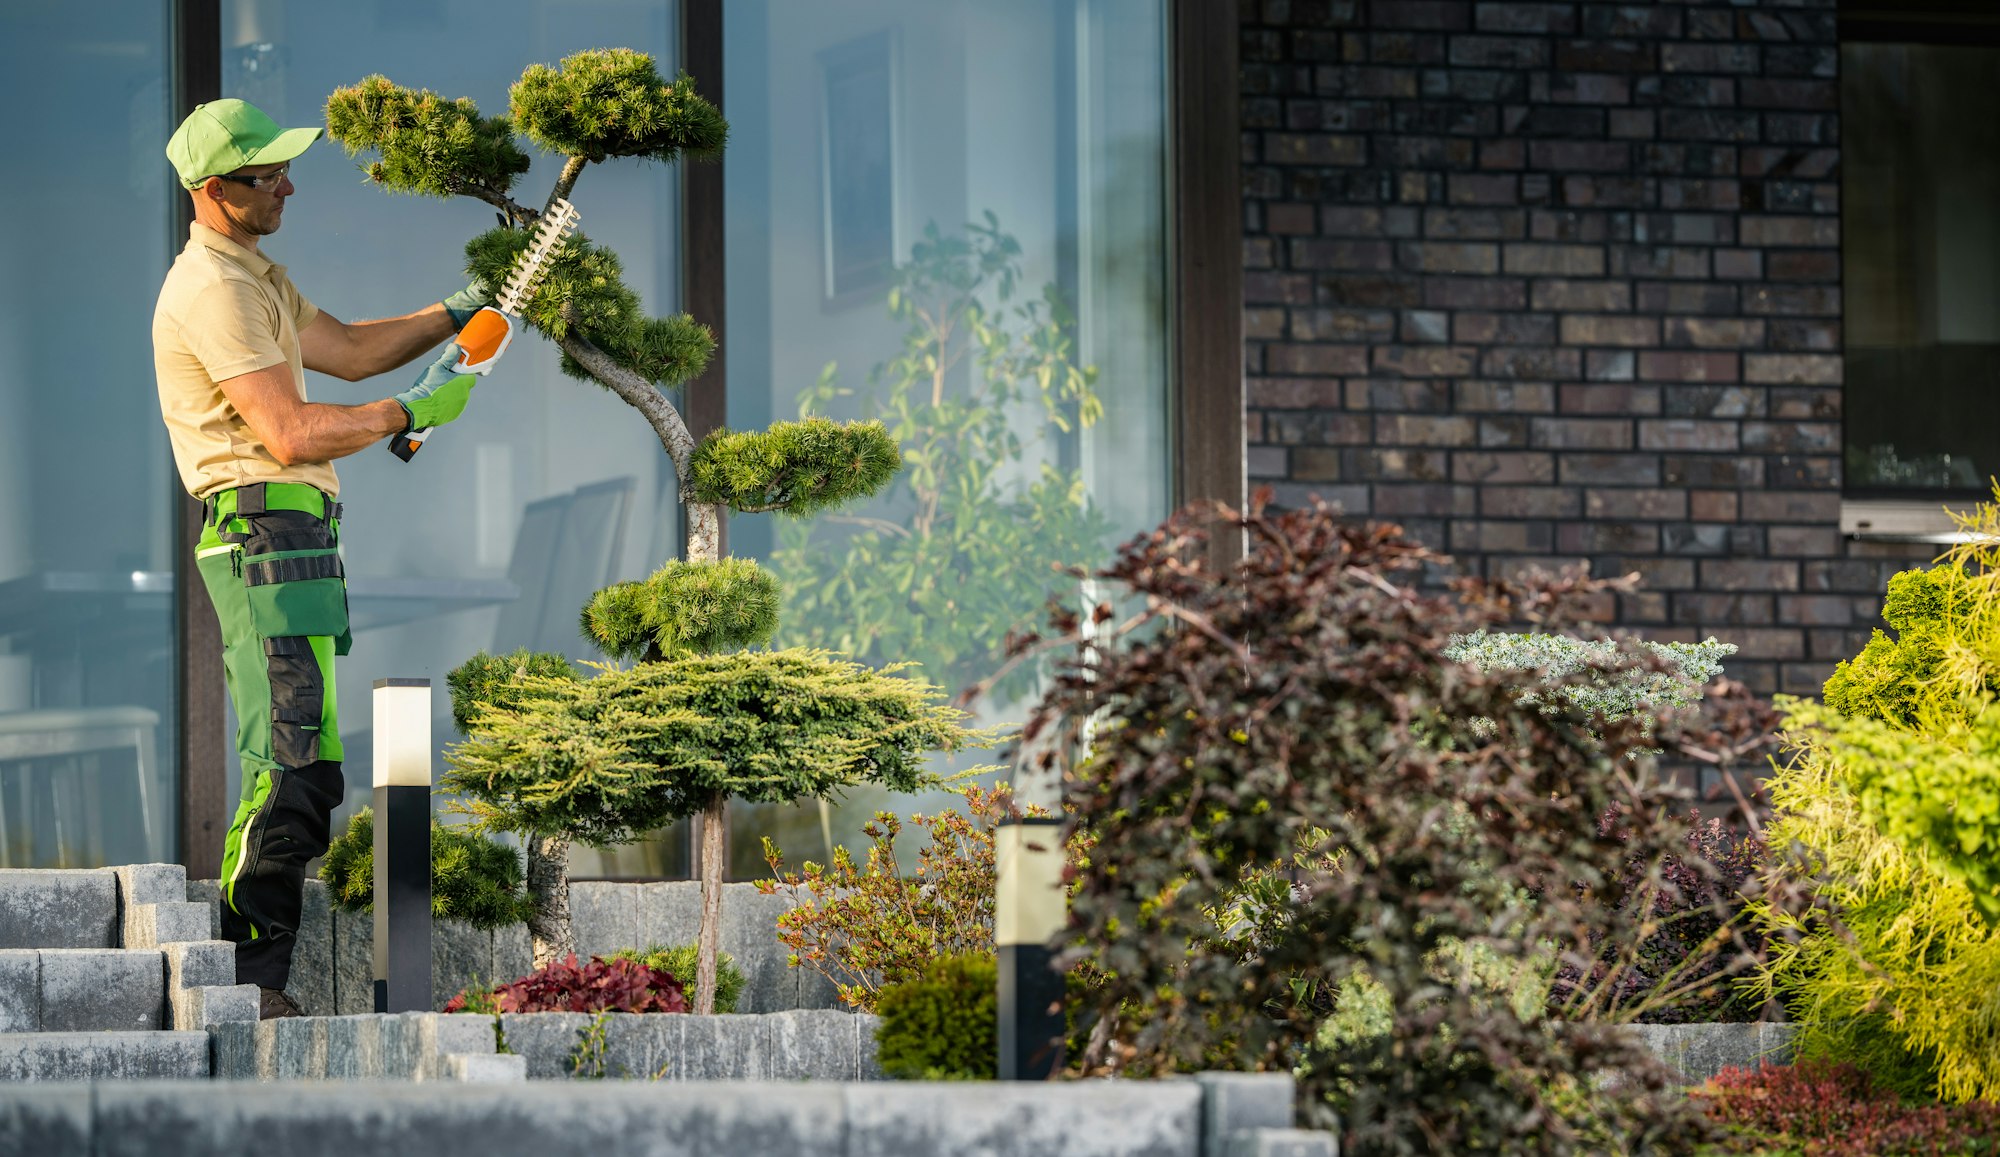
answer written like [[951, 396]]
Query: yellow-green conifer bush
[[702, 715], [1891, 805]]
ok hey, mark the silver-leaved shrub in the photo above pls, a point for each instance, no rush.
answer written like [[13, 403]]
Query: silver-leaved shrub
[[1621, 689]]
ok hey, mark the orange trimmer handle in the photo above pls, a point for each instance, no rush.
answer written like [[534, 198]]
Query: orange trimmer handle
[[483, 340]]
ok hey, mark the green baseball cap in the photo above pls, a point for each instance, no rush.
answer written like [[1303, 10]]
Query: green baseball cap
[[222, 136]]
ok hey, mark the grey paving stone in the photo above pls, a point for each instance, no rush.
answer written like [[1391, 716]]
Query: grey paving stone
[[97, 1056], [44, 1121], [485, 1069], [670, 912], [354, 1047], [811, 1046], [152, 925], [604, 917], [209, 1005], [298, 1048], [546, 1039], [1700, 1051], [1236, 1102], [210, 893], [468, 1120], [814, 990], [20, 990], [868, 1066], [1020, 1119], [513, 953], [750, 934], [1283, 1143], [151, 884], [198, 963], [353, 963], [461, 956], [102, 989], [725, 1048], [234, 1045], [311, 983], [58, 908], [403, 1045]]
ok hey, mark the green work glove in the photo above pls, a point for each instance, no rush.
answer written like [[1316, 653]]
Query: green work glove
[[466, 302], [440, 392]]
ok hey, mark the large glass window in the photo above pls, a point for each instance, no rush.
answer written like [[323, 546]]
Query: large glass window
[[1920, 214], [548, 488], [86, 619], [949, 215]]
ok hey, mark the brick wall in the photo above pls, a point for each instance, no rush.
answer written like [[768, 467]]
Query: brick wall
[[1560, 283]]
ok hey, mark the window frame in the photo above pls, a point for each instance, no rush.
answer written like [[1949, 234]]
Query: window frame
[[1871, 516]]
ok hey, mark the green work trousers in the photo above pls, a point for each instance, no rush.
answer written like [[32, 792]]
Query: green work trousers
[[269, 558]]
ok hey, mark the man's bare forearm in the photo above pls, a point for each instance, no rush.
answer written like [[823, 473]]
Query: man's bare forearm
[[320, 432], [383, 345]]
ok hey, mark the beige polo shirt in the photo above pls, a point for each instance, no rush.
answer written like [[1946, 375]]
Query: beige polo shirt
[[223, 312]]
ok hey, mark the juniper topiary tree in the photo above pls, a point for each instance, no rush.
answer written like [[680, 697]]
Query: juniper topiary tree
[[556, 757]]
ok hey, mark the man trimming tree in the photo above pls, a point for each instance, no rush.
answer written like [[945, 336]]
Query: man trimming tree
[[232, 339]]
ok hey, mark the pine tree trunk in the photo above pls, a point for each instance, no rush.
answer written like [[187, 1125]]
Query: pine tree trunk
[[712, 820], [704, 532], [548, 885]]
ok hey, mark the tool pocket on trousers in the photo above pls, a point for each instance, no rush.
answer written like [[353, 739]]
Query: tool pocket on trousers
[[298, 700], [293, 576]]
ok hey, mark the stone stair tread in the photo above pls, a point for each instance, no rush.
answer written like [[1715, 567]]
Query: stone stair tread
[[82, 989], [89, 1056], [58, 908]]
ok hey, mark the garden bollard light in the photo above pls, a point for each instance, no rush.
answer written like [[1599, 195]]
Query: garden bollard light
[[1029, 909], [402, 845]]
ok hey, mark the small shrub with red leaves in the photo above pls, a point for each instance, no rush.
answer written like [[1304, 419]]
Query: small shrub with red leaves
[[617, 985], [1817, 1109]]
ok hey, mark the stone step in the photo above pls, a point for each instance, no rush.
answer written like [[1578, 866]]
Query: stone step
[[58, 908], [70, 990], [97, 1056]]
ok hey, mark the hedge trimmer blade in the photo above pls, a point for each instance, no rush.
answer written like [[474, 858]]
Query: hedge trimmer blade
[[490, 331], [557, 222]]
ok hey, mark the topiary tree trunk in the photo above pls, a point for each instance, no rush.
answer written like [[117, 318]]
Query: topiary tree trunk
[[595, 107]]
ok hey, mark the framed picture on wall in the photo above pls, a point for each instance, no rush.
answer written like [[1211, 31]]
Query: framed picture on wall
[[858, 202]]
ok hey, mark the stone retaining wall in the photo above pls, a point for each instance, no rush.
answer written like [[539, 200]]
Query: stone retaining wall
[[1213, 1115], [332, 971]]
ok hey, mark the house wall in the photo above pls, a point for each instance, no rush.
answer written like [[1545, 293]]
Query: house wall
[[1560, 283]]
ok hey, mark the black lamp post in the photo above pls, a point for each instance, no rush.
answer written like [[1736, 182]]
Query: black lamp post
[[402, 845], [1029, 909]]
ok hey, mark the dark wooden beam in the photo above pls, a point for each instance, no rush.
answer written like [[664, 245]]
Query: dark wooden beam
[[1207, 269], [703, 286], [202, 742]]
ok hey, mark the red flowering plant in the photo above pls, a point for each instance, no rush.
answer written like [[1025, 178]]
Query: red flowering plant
[[1819, 1109], [616, 985]]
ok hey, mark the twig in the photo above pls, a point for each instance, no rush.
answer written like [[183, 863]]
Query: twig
[[515, 211]]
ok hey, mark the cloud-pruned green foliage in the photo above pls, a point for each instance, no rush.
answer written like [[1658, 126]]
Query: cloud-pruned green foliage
[[429, 145], [585, 292], [1612, 687], [699, 605], [485, 679], [611, 102], [473, 879], [632, 750], [798, 467]]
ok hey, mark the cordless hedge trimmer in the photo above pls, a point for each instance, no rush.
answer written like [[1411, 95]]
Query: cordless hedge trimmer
[[488, 334]]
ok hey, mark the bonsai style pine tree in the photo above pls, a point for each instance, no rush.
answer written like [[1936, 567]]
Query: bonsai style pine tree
[[699, 718]]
